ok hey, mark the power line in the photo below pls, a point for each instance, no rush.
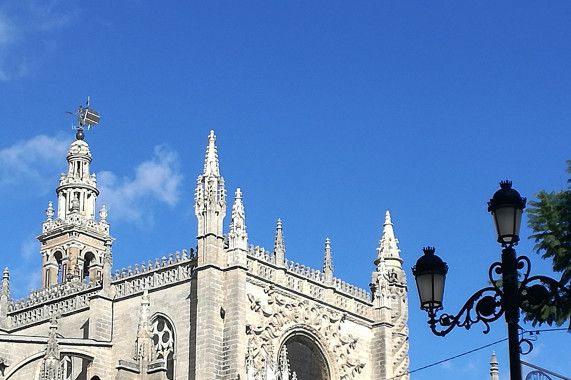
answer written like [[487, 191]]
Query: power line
[[530, 332]]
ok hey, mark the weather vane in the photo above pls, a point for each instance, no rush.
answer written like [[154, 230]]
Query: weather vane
[[86, 117]]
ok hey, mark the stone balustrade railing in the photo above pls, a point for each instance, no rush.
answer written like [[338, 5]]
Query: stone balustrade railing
[[59, 291], [152, 265], [76, 219], [351, 290], [74, 296], [45, 303], [153, 274]]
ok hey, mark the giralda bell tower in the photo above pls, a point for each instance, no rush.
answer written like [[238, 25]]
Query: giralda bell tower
[[76, 247]]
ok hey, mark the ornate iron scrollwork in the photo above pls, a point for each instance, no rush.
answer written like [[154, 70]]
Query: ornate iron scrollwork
[[487, 304], [483, 306]]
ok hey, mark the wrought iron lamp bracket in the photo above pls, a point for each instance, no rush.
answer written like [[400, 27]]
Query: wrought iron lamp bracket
[[483, 306]]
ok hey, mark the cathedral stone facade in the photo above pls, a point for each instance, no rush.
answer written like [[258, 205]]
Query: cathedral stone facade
[[225, 310]]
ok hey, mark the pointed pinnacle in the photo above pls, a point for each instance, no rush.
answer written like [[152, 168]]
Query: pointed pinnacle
[[279, 245], [388, 225], [211, 166], [327, 259]]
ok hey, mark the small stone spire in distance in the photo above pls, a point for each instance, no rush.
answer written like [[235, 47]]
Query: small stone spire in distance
[[327, 263], [494, 371], [279, 245]]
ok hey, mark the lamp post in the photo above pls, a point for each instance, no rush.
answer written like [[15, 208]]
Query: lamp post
[[510, 292]]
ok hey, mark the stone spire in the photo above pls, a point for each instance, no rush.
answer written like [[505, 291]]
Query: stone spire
[[144, 344], [74, 243], [327, 263], [210, 206], [5, 285], [211, 165], [50, 368], [494, 371], [279, 245], [238, 237], [388, 248], [389, 297], [4, 293]]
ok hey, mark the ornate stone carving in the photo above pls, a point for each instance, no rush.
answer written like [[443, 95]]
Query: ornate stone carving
[[280, 313], [50, 368]]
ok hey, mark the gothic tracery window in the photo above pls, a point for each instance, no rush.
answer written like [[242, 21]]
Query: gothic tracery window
[[163, 341]]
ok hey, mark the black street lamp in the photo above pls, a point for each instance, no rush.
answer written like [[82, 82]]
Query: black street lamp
[[512, 289]]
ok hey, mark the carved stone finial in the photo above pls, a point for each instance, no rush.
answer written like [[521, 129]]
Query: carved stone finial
[[50, 211], [279, 245], [238, 237], [5, 287], [103, 213], [6, 277], [144, 342], [327, 263]]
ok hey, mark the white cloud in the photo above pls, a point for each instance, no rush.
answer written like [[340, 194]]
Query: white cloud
[[27, 30], [22, 280], [7, 30], [26, 272], [26, 163], [157, 179], [446, 365]]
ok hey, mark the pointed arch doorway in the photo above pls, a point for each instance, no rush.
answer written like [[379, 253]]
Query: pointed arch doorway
[[306, 358]]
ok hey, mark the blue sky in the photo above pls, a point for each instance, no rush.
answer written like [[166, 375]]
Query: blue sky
[[327, 114]]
